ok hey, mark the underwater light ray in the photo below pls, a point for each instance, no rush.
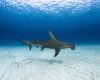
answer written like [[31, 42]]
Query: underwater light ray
[[54, 6]]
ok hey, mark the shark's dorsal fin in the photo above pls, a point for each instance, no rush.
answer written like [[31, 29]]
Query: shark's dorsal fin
[[51, 36]]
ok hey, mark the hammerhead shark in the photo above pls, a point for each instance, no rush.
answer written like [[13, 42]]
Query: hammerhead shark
[[51, 43]]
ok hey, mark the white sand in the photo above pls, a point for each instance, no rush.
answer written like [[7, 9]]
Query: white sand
[[17, 63]]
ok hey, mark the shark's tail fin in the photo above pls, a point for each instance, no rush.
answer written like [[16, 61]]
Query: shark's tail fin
[[26, 42]]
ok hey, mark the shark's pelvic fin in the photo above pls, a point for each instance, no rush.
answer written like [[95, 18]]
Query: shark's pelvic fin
[[57, 52], [26, 42], [42, 48], [51, 36]]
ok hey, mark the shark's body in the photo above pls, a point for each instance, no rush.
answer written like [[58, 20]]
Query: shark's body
[[51, 43]]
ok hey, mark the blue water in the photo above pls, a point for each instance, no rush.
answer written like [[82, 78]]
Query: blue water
[[80, 27], [74, 21]]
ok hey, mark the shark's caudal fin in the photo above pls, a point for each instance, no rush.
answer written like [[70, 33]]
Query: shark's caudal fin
[[26, 42], [51, 36]]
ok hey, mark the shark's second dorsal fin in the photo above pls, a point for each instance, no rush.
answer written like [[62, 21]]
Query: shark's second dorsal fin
[[51, 36]]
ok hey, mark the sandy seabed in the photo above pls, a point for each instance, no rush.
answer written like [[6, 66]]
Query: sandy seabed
[[18, 63]]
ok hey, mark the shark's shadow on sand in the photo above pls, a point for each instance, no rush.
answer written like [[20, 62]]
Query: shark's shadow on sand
[[32, 60], [50, 61]]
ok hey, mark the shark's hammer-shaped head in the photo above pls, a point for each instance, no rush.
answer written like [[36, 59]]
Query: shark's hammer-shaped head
[[72, 46], [68, 45]]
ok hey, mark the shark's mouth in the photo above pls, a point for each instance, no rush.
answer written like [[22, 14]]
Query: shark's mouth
[[54, 6]]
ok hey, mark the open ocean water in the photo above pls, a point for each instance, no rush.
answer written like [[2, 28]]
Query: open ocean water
[[75, 21]]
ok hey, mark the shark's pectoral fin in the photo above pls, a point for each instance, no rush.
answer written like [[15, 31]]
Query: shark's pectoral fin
[[57, 52], [42, 48]]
